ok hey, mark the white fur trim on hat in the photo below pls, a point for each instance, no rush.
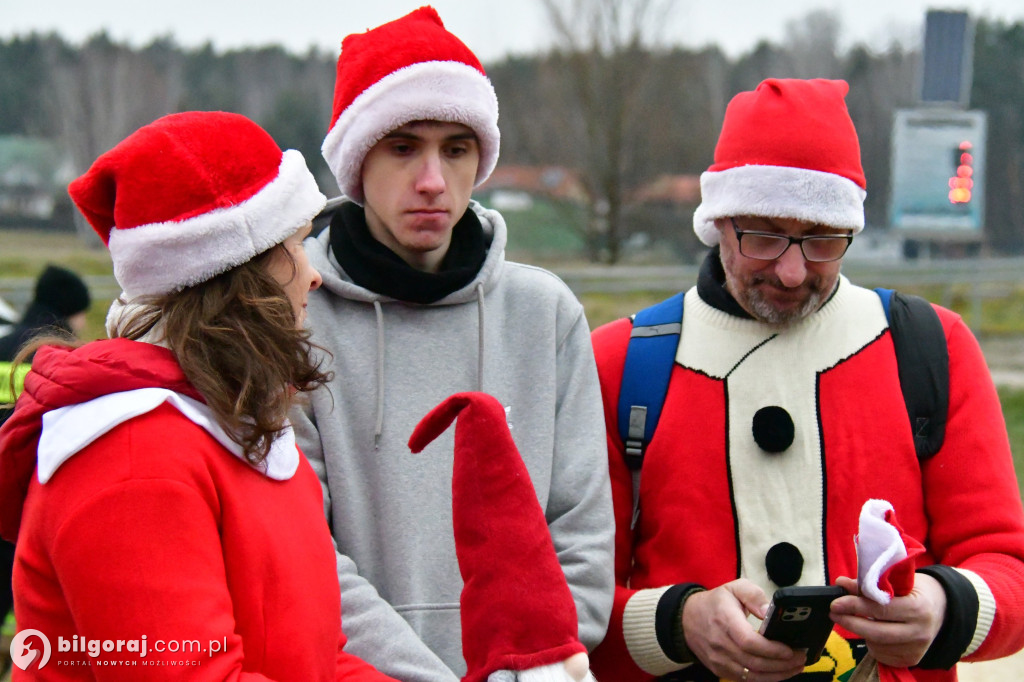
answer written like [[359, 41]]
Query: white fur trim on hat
[[778, 192], [448, 91], [160, 258]]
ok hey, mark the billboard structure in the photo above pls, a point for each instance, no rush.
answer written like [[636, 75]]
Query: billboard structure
[[938, 174], [938, 149], [948, 66]]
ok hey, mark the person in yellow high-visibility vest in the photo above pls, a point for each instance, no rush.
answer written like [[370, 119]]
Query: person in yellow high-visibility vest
[[7, 392]]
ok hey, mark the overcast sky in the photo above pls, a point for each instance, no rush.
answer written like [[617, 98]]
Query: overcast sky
[[492, 28]]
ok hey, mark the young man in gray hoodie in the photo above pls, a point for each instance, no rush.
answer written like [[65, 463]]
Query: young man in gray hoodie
[[418, 303]]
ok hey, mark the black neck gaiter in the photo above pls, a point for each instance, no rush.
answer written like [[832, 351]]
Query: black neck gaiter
[[374, 266]]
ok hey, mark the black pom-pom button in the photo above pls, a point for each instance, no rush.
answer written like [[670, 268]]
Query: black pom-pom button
[[785, 564], [773, 429]]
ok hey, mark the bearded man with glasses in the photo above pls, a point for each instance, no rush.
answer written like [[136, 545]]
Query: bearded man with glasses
[[783, 416]]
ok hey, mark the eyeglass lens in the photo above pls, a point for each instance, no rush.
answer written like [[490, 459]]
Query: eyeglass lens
[[770, 247]]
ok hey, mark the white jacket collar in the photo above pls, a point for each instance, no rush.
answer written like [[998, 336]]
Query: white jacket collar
[[67, 430]]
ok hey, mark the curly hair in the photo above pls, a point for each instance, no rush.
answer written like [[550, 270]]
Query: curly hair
[[236, 340]]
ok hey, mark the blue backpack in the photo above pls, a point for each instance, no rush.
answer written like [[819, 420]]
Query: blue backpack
[[921, 357]]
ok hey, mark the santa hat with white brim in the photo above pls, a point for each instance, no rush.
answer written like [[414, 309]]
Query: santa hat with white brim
[[410, 69], [191, 196], [787, 149]]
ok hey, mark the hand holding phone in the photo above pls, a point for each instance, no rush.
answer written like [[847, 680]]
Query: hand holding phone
[[799, 618]]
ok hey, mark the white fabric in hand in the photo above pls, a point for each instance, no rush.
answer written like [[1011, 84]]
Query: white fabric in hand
[[879, 548], [555, 672]]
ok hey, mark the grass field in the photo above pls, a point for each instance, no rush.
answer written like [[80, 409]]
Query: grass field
[[1013, 411], [23, 253]]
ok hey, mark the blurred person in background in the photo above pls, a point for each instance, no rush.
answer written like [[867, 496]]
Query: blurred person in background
[[8, 318], [58, 305]]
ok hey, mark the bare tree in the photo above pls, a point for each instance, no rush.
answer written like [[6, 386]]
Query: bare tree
[[879, 85], [813, 44], [603, 47], [103, 91]]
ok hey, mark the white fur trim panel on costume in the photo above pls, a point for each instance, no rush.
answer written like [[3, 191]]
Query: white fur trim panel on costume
[[986, 609], [638, 629], [436, 91], [67, 430], [160, 258], [778, 192], [779, 499]]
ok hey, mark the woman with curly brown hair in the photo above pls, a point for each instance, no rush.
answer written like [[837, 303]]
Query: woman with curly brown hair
[[164, 518]]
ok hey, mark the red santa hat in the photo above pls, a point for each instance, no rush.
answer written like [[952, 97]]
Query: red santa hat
[[193, 195], [410, 69], [886, 556], [517, 611], [787, 150], [886, 560]]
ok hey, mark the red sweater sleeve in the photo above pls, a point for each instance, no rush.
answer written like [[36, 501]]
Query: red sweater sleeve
[[612, 660], [972, 498]]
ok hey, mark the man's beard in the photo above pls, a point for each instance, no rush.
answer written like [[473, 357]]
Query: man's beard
[[762, 309]]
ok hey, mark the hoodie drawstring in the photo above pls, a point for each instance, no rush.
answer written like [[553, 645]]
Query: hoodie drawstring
[[379, 427], [480, 338]]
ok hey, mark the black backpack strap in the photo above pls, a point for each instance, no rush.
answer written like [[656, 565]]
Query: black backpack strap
[[923, 361]]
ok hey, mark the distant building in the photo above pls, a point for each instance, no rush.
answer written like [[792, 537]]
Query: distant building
[[513, 187], [33, 172], [671, 189], [660, 216], [544, 208]]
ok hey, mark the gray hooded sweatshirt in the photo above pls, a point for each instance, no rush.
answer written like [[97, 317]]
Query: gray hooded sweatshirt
[[515, 332]]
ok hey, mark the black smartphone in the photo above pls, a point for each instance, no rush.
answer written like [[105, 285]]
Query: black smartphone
[[798, 617]]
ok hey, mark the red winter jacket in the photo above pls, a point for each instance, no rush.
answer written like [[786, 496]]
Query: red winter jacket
[[154, 552]]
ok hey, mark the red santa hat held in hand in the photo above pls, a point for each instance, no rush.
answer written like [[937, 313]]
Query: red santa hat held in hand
[[517, 611], [193, 195], [886, 556], [886, 560], [410, 69], [787, 150]]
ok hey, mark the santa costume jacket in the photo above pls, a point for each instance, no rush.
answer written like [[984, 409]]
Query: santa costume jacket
[[147, 546], [716, 506]]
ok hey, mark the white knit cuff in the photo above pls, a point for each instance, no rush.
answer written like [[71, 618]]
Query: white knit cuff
[[640, 633], [986, 609]]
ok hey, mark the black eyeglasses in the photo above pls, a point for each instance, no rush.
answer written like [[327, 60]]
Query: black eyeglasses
[[819, 248]]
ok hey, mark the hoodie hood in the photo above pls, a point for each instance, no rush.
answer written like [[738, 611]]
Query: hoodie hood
[[61, 377], [336, 281]]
